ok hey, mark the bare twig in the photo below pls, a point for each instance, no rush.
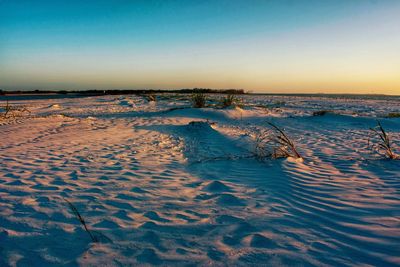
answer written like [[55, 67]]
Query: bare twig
[[13, 111], [82, 221]]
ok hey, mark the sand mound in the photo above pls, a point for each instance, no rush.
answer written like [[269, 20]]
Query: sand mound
[[216, 186]]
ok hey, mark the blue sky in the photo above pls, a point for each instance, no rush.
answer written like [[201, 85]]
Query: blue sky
[[264, 46]]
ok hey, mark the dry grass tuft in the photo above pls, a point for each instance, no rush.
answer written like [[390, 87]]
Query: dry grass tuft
[[285, 147], [261, 145], [151, 97], [393, 115], [231, 100], [274, 143], [383, 145], [199, 100], [13, 111]]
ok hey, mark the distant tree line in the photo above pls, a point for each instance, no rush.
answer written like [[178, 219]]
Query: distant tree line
[[129, 92]]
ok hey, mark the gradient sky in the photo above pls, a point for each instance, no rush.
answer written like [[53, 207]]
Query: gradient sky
[[289, 46]]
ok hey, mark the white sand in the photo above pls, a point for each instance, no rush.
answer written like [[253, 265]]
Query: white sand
[[159, 190]]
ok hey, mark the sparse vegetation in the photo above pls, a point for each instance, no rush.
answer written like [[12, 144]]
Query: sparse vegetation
[[383, 144], [393, 115], [230, 100], [10, 111], [267, 144], [285, 146], [321, 112], [7, 109], [262, 141], [199, 100], [151, 97], [274, 144]]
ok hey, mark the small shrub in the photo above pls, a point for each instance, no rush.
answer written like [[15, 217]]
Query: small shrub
[[230, 100], [198, 100], [383, 145]]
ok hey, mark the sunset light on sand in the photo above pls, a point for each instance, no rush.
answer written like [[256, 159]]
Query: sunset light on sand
[[200, 133]]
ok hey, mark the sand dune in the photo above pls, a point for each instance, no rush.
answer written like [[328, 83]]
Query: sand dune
[[165, 186]]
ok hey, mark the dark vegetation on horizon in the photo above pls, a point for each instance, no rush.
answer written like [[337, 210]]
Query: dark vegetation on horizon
[[128, 92], [96, 92]]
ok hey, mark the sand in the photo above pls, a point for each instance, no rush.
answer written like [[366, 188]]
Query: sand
[[158, 185]]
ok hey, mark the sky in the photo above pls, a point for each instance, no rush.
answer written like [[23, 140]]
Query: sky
[[272, 46]]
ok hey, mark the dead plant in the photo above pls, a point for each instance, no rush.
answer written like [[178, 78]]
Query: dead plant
[[383, 145]]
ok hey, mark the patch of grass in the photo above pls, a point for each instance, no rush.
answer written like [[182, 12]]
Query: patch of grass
[[151, 97], [199, 100], [231, 100], [321, 112], [285, 146], [176, 97], [274, 143], [383, 144], [393, 115], [262, 140], [267, 144]]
